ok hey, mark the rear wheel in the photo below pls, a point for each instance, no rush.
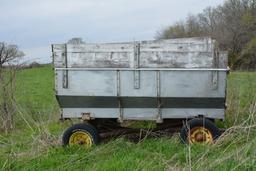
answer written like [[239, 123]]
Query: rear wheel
[[82, 134], [199, 130]]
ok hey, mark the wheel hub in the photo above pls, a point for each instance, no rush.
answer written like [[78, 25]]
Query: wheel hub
[[200, 134], [81, 138]]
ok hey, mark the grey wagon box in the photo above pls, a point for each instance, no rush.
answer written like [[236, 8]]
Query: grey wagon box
[[146, 80]]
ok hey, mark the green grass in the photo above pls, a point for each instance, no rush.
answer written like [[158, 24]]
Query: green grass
[[35, 90], [35, 144]]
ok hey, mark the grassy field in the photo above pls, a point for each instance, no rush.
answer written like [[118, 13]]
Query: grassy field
[[35, 143]]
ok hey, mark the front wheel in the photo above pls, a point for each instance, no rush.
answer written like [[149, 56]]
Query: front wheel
[[199, 130], [82, 134]]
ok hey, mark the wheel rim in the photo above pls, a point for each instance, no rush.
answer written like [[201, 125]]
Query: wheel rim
[[200, 135], [81, 138]]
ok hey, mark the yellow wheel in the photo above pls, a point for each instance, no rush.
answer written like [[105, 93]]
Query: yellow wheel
[[81, 138], [199, 130], [81, 134], [200, 134]]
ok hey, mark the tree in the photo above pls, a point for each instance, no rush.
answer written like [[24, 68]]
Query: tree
[[248, 56], [9, 54], [193, 27], [232, 24], [209, 21], [176, 31], [76, 40]]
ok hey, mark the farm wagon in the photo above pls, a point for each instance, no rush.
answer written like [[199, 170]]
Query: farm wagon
[[163, 80]]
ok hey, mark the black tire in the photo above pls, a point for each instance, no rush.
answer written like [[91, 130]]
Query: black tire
[[198, 122], [84, 127]]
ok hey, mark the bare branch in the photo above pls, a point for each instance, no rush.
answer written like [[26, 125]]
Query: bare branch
[[9, 53]]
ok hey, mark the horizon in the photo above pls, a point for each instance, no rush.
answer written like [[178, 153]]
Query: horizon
[[34, 26]]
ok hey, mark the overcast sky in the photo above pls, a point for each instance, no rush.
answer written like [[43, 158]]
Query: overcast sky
[[34, 25]]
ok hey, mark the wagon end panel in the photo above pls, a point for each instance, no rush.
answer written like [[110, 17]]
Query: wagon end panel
[[148, 80]]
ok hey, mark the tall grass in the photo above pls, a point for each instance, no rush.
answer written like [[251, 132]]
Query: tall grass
[[35, 143]]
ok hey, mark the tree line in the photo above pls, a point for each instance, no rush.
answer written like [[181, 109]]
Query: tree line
[[232, 24]]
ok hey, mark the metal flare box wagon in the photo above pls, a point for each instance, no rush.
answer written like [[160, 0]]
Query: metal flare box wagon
[[157, 80]]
